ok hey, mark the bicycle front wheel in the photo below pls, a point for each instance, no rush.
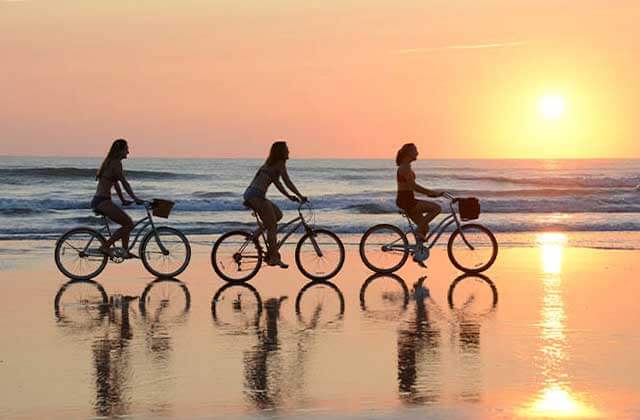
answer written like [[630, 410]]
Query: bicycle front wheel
[[78, 254], [165, 252], [320, 254], [384, 248], [236, 256], [472, 248]]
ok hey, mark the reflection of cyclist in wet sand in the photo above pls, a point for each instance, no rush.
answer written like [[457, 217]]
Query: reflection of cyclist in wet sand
[[420, 211], [255, 195], [111, 174]]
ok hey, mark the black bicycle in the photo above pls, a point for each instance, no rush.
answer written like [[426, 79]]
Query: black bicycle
[[472, 247], [237, 256], [165, 251]]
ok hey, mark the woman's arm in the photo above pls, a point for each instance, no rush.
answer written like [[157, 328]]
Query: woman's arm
[[119, 176], [410, 178], [289, 183], [283, 190], [116, 184]]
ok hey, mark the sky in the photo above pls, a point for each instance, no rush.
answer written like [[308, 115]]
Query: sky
[[335, 78]]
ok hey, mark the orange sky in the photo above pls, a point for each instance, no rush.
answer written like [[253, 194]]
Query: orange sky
[[335, 78]]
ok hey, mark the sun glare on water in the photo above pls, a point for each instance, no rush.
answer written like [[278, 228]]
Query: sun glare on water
[[551, 107]]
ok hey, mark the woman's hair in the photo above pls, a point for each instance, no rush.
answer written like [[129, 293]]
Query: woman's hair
[[115, 151], [278, 152], [403, 152]]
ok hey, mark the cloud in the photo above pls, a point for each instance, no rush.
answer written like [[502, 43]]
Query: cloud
[[459, 47]]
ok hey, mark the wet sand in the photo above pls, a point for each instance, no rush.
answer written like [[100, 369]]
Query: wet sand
[[551, 331]]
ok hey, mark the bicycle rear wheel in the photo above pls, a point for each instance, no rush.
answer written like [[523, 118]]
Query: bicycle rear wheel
[[320, 254], [165, 253], [384, 248], [479, 251], [78, 256], [236, 256]]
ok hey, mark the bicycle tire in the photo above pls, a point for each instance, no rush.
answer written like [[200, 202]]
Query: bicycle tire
[[145, 258], [459, 265], [248, 238], [306, 270], [58, 250], [367, 261]]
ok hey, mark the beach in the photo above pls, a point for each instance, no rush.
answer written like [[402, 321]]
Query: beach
[[551, 331]]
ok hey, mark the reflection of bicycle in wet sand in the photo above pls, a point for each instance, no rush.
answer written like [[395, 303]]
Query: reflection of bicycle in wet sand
[[237, 256], [86, 302], [165, 251], [239, 306], [472, 247], [387, 296]]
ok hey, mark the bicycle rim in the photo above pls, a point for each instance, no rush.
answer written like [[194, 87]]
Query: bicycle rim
[[236, 257], [477, 253], [320, 255], [165, 253], [384, 248], [78, 254]]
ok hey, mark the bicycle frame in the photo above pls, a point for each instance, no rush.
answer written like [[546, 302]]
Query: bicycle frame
[[297, 222], [145, 222], [435, 234]]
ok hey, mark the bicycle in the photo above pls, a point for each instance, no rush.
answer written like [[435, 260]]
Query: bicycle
[[165, 251], [472, 248], [237, 256]]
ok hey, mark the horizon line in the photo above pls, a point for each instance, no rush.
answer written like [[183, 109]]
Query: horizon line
[[313, 158]]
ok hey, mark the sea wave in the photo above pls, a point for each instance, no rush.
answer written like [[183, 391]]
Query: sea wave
[[361, 203]]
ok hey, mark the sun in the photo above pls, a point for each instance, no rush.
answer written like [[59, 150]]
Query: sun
[[551, 107]]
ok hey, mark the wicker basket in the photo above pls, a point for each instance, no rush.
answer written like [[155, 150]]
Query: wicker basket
[[161, 208], [469, 208]]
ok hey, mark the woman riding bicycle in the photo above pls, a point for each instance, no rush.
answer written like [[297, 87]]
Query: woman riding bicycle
[[111, 174], [420, 211], [255, 196]]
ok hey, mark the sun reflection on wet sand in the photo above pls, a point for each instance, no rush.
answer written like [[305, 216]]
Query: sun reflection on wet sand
[[556, 399], [559, 402], [552, 247]]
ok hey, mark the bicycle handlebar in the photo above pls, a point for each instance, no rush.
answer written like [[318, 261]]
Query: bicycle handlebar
[[450, 197]]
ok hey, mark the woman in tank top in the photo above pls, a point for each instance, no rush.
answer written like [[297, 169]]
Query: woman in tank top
[[274, 168], [110, 175], [420, 211]]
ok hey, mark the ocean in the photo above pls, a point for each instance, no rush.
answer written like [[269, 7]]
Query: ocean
[[40, 198]]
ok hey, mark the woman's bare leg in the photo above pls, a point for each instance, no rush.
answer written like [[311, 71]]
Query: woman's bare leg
[[115, 213], [267, 212], [423, 213]]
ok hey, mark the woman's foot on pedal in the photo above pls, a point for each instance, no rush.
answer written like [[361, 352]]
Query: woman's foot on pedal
[[421, 254], [277, 262], [129, 255]]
